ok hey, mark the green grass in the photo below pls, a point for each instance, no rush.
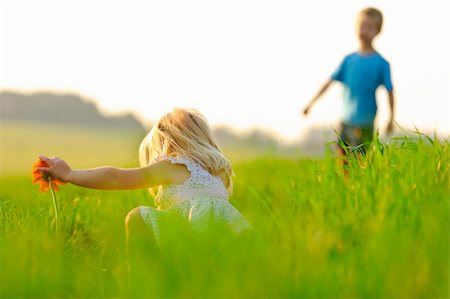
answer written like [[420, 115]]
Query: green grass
[[380, 232]]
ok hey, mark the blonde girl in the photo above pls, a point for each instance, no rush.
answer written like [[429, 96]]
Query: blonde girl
[[180, 157]]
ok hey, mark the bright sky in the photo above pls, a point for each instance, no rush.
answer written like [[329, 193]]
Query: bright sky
[[242, 63]]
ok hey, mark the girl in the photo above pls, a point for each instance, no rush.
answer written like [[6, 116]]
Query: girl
[[180, 156]]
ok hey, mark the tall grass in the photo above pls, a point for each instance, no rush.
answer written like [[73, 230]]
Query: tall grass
[[380, 231]]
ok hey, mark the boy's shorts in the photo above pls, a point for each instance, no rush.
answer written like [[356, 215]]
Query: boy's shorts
[[355, 139]]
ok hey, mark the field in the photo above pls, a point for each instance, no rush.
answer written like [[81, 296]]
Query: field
[[382, 231]]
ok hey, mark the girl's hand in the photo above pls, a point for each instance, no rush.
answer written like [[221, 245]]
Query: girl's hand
[[57, 168]]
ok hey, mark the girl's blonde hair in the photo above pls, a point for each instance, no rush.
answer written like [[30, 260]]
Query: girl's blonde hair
[[186, 132]]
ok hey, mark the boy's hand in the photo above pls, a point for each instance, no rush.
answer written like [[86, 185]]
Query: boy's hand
[[306, 110], [57, 167], [390, 127]]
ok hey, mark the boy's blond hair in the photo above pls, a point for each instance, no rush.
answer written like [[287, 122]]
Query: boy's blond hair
[[373, 13], [186, 132]]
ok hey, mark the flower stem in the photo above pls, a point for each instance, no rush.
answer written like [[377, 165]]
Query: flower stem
[[56, 212]]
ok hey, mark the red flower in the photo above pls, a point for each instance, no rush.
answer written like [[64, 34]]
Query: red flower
[[43, 179]]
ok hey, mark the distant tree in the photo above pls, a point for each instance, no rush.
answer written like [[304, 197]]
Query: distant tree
[[59, 108]]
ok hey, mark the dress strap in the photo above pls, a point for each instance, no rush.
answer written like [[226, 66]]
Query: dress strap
[[191, 166]]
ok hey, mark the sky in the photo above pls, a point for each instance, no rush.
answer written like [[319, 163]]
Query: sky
[[244, 64]]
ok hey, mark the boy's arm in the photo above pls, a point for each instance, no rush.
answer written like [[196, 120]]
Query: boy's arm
[[112, 178], [322, 89], [390, 126]]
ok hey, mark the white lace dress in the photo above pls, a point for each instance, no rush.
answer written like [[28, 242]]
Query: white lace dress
[[200, 201]]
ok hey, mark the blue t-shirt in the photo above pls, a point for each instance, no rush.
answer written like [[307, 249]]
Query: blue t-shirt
[[361, 75]]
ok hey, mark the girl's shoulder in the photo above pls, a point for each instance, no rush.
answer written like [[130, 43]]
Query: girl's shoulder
[[191, 165], [199, 177]]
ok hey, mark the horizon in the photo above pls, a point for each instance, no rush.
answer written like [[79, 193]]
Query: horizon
[[327, 131], [257, 71]]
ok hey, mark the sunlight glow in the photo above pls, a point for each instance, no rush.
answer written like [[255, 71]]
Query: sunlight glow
[[242, 63]]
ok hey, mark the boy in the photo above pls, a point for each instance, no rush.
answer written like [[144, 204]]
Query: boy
[[361, 73]]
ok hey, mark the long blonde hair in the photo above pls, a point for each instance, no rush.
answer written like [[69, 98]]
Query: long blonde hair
[[186, 132]]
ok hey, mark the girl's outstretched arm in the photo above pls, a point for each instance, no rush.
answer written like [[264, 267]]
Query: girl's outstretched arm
[[113, 178]]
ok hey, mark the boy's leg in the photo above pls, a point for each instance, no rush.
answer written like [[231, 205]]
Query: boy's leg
[[353, 141], [366, 138], [360, 141], [343, 147]]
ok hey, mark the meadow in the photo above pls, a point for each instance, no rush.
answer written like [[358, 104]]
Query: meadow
[[382, 231]]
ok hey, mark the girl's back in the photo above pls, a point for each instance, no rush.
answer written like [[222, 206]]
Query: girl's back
[[201, 201]]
